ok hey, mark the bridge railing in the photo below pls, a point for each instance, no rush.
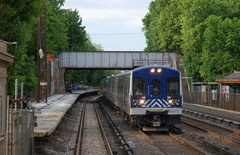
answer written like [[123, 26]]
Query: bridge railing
[[138, 63], [116, 59]]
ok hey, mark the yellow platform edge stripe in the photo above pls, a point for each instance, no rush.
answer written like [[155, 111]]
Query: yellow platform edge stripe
[[39, 134]]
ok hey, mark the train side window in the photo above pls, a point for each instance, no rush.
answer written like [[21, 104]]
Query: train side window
[[156, 87], [139, 86], [173, 86]]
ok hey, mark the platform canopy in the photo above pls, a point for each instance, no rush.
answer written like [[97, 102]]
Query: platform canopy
[[232, 79]]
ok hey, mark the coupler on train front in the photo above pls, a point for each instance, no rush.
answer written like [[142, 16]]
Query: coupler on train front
[[155, 121]]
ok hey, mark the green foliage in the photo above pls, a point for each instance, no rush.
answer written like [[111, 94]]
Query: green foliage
[[19, 23], [88, 77], [76, 33], [221, 47], [56, 27], [18, 19], [161, 26], [79, 40], [205, 32]]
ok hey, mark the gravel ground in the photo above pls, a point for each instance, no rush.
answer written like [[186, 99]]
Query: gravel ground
[[136, 141], [63, 139], [114, 142], [226, 114], [92, 139]]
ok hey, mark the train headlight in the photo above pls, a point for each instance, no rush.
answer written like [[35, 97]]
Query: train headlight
[[141, 101], [170, 101], [152, 70], [159, 70], [173, 102]]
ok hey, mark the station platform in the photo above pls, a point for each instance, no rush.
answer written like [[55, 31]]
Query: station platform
[[51, 113], [212, 110]]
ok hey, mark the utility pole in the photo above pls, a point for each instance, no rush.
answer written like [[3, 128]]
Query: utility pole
[[42, 90]]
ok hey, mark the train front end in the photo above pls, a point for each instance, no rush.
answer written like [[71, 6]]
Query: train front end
[[156, 99]]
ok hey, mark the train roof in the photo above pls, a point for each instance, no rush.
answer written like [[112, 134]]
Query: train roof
[[155, 66], [123, 73], [143, 68]]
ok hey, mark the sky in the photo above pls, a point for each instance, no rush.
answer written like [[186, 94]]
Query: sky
[[114, 24]]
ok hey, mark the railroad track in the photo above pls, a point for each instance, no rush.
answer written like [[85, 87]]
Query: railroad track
[[170, 143], [191, 141], [91, 135], [221, 139], [118, 134], [227, 118], [83, 121]]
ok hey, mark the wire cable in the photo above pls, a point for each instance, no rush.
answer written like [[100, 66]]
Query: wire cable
[[116, 34]]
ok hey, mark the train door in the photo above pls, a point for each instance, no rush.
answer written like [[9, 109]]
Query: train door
[[125, 92]]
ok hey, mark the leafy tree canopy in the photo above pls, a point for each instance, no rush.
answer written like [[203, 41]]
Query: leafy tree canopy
[[205, 32], [19, 23]]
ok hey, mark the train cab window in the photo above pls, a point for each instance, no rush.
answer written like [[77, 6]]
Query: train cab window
[[156, 87], [173, 86], [139, 86]]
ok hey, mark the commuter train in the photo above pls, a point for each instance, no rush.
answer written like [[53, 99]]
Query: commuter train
[[150, 97]]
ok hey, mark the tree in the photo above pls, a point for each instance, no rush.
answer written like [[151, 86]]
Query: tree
[[88, 77], [205, 32], [18, 19], [75, 31], [192, 17], [79, 40], [162, 26], [221, 50], [56, 27], [19, 22]]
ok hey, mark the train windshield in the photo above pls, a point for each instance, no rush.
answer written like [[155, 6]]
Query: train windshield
[[173, 86], [139, 86]]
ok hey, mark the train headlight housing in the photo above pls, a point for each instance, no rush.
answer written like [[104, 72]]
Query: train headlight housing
[[170, 101], [159, 70], [152, 70], [141, 101], [173, 102]]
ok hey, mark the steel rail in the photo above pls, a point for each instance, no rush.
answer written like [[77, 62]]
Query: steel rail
[[77, 151], [201, 121], [107, 145], [152, 141], [213, 118], [213, 134], [126, 147], [174, 137], [190, 146]]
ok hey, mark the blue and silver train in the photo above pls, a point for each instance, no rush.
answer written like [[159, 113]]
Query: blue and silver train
[[150, 97]]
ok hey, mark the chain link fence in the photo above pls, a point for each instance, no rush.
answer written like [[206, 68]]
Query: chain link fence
[[227, 101]]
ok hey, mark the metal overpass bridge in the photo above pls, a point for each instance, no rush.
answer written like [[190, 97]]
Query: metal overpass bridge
[[115, 59]]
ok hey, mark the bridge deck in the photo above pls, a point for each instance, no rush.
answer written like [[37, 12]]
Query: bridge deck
[[116, 59]]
